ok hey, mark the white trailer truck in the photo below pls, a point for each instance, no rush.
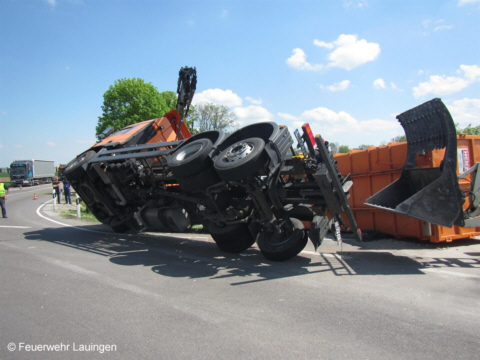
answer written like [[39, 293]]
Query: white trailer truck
[[31, 172]]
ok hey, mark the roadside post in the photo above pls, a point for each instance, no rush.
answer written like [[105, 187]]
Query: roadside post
[[54, 202], [77, 200]]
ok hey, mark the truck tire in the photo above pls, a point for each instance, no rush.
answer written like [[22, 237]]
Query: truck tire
[[231, 238], [241, 160], [283, 246], [191, 158], [74, 169]]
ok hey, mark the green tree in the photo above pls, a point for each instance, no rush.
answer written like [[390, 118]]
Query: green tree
[[334, 147], [130, 101], [399, 138], [469, 130], [170, 99], [362, 147], [208, 116], [343, 149]]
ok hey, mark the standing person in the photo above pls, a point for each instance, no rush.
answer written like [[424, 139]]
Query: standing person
[[4, 189], [66, 190], [56, 186]]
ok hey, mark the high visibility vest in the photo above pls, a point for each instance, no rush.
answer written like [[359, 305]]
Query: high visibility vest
[[3, 192]]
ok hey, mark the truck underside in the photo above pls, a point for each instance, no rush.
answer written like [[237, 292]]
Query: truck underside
[[250, 186]]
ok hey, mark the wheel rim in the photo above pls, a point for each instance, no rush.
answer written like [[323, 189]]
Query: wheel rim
[[188, 152], [238, 151], [279, 239]]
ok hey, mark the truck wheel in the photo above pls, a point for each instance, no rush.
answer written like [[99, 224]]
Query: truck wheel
[[231, 238], [191, 158], [283, 246], [74, 169], [241, 160]]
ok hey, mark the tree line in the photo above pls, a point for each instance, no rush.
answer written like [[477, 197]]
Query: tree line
[[129, 101]]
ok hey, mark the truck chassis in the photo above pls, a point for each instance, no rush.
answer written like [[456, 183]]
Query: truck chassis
[[253, 185], [246, 187]]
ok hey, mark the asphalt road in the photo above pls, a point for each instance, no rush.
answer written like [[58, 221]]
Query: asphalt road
[[74, 290]]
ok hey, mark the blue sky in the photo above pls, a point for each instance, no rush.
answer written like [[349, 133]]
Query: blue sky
[[346, 67]]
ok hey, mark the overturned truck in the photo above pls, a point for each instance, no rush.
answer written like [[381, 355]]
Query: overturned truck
[[252, 185]]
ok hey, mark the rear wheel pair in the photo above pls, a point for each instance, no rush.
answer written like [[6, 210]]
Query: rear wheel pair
[[274, 246], [195, 170]]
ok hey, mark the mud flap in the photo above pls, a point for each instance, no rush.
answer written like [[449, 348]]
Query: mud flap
[[429, 194], [318, 230]]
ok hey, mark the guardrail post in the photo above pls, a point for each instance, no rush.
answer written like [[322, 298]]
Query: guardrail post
[[54, 200], [77, 200]]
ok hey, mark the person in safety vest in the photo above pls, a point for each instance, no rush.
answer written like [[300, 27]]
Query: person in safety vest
[[4, 189]]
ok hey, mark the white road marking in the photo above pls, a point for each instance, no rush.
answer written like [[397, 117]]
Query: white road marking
[[197, 237], [452, 273], [63, 224], [15, 227]]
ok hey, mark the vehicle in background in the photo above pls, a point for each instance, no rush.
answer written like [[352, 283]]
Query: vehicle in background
[[60, 171], [31, 172]]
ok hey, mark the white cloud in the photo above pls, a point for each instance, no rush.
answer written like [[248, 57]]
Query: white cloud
[[467, 2], [287, 116], [445, 85], [443, 27], [50, 143], [245, 115], [251, 114], [218, 97], [348, 53], [345, 129], [298, 60], [379, 84], [52, 3], [324, 115], [437, 25], [322, 44], [355, 4], [394, 86], [258, 101], [465, 111], [340, 86]]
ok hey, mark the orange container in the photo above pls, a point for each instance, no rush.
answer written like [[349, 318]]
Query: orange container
[[376, 167]]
